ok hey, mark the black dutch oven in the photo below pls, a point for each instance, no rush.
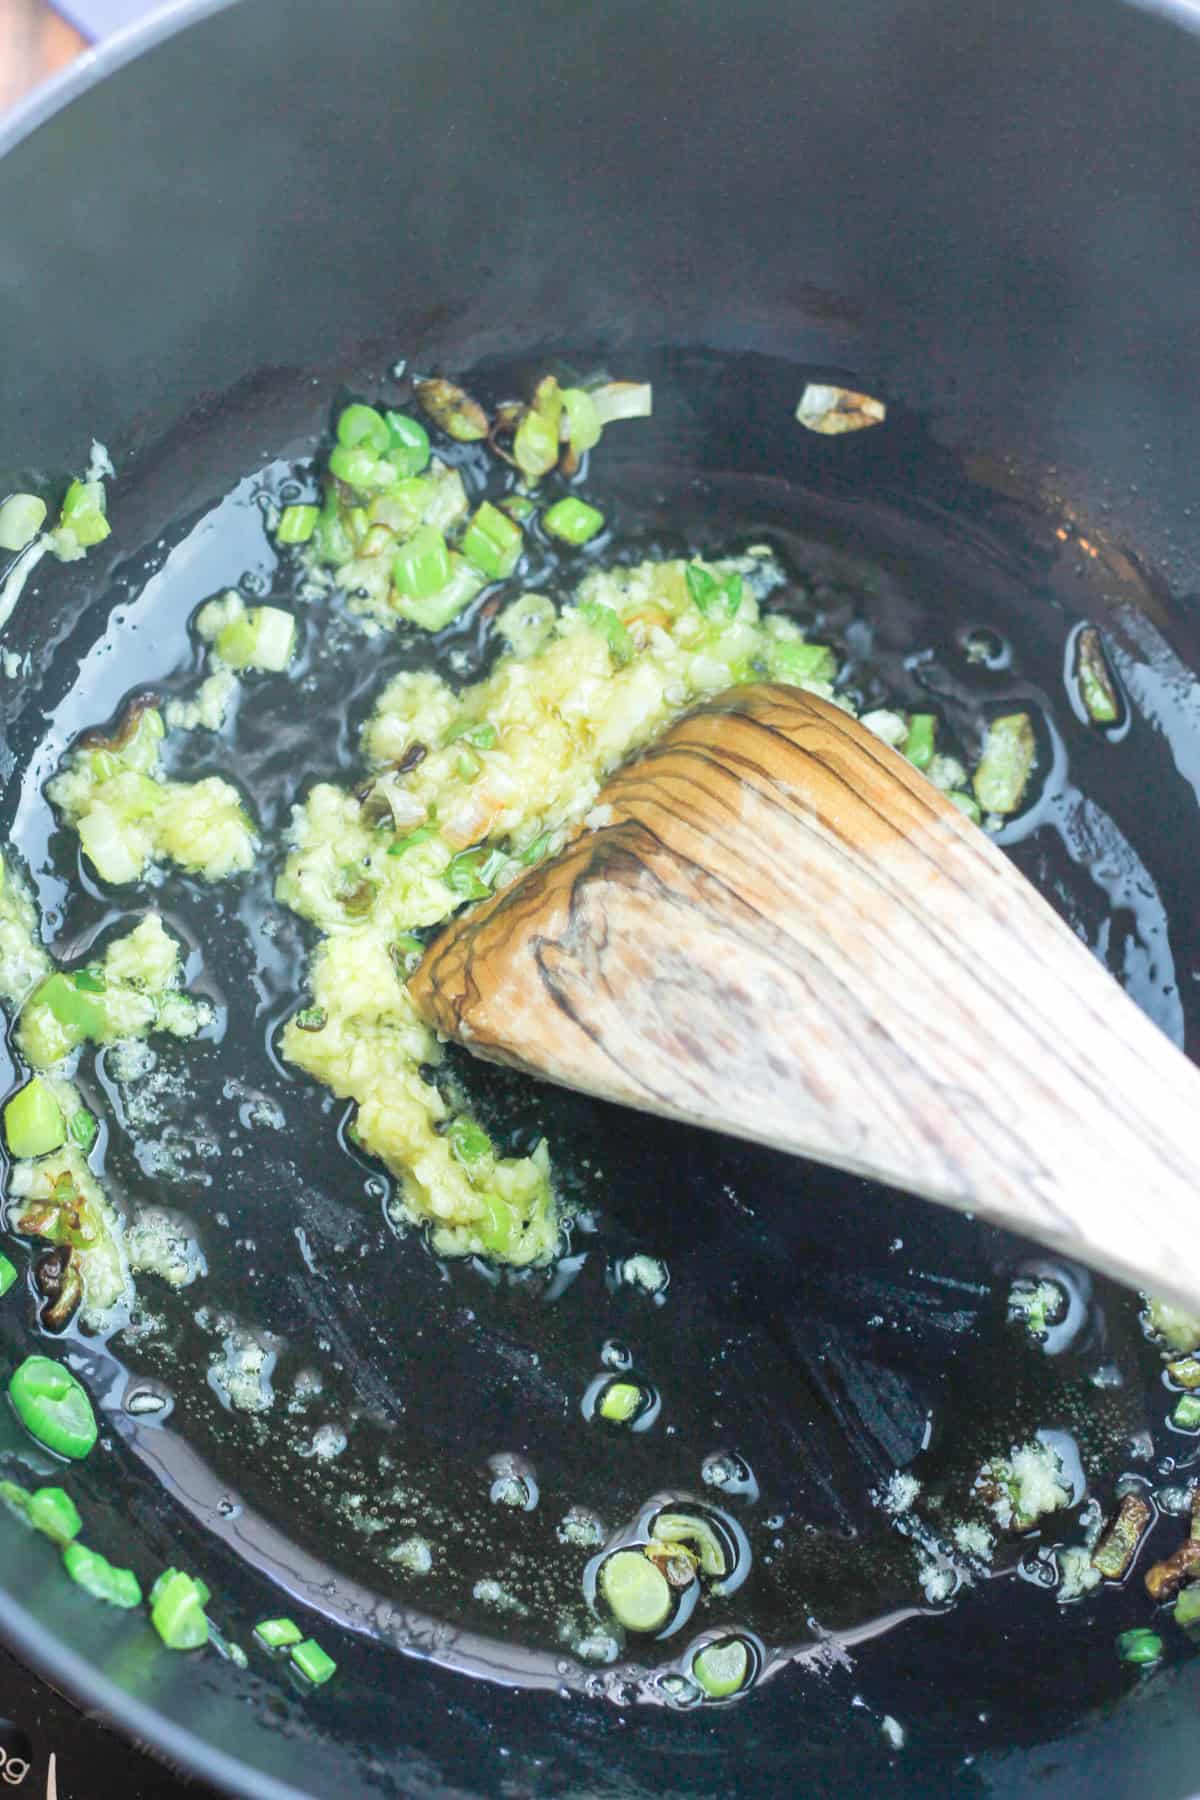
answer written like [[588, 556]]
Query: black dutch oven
[[986, 216]]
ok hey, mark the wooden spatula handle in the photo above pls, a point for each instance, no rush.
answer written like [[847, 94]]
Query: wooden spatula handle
[[785, 932]]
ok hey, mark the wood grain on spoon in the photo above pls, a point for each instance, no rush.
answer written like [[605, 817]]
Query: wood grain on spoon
[[785, 932]]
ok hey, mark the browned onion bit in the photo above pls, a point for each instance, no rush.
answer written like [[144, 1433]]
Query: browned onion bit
[[1118, 1546], [127, 725], [453, 409], [57, 1278]]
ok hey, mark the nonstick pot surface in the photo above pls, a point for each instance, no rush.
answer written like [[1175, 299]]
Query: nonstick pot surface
[[773, 1283]]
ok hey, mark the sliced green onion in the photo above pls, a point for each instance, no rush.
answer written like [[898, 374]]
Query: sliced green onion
[[90, 981], [21, 518], [468, 874], [500, 1228], [33, 1121], [8, 1274], [53, 1407], [453, 409], [360, 468], [422, 566], [796, 663], [80, 1014], [297, 524], [177, 1603], [53, 1512], [406, 953], [518, 506], [467, 766], [622, 400], [533, 853], [83, 1128], [16, 1499], [102, 1579], [918, 746], [481, 735], [610, 626], [582, 420], [685, 1528], [1096, 686], [1186, 1372], [1187, 1413], [721, 1669], [637, 1593], [331, 539], [410, 840], [359, 424], [712, 596], [408, 451], [312, 1018], [1187, 1607], [263, 637], [401, 507], [313, 1663], [966, 803], [1140, 1646], [277, 1634], [468, 1140], [574, 521], [620, 1402], [492, 543], [83, 511], [535, 445], [1005, 766]]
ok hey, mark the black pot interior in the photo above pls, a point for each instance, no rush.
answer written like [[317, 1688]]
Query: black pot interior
[[289, 253]]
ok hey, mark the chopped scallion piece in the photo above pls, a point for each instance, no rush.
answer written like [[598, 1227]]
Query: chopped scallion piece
[[277, 1634], [533, 853], [312, 1018], [610, 626], [1005, 766], [574, 521], [581, 420], [966, 803], [621, 1402], [622, 400], [1186, 1416], [481, 735], [492, 543], [468, 875], [684, 1528], [8, 1274], [33, 1121], [53, 1512], [83, 513], [638, 1593], [467, 766], [421, 567], [53, 1407], [721, 1669], [453, 409], [1187, 1607], [535, 445], [297, 524], [1139, 1646], [518, 506], [796, 663], [711, 596], [100, 1578], [83, 1128], [918, 746], [21, 518], [177, 1603], [359, 424], [1096, 686], [410, 840], [313, 1663], [469, 1141], [408, 452], [1186, 1372], [360, 468]]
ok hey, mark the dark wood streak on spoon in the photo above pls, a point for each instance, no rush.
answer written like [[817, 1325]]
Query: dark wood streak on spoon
[[783, 931]]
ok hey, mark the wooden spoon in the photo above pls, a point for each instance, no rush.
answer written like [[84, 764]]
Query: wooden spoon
[[780, 929]]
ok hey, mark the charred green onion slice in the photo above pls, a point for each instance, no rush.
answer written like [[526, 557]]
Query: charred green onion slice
[[1096, 688], [177, 1603], [1186, 1372], [574, 521], [297, 524], [1006, 764], [453, 409], [686, 1528], [21, 518], [492, 543], [33, 1121], [637, 1593], [315, 1664], [1117, 1548], [102, 1579], [1139, 1647], [277, 1634], [53, 1407], [721, 1669]]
